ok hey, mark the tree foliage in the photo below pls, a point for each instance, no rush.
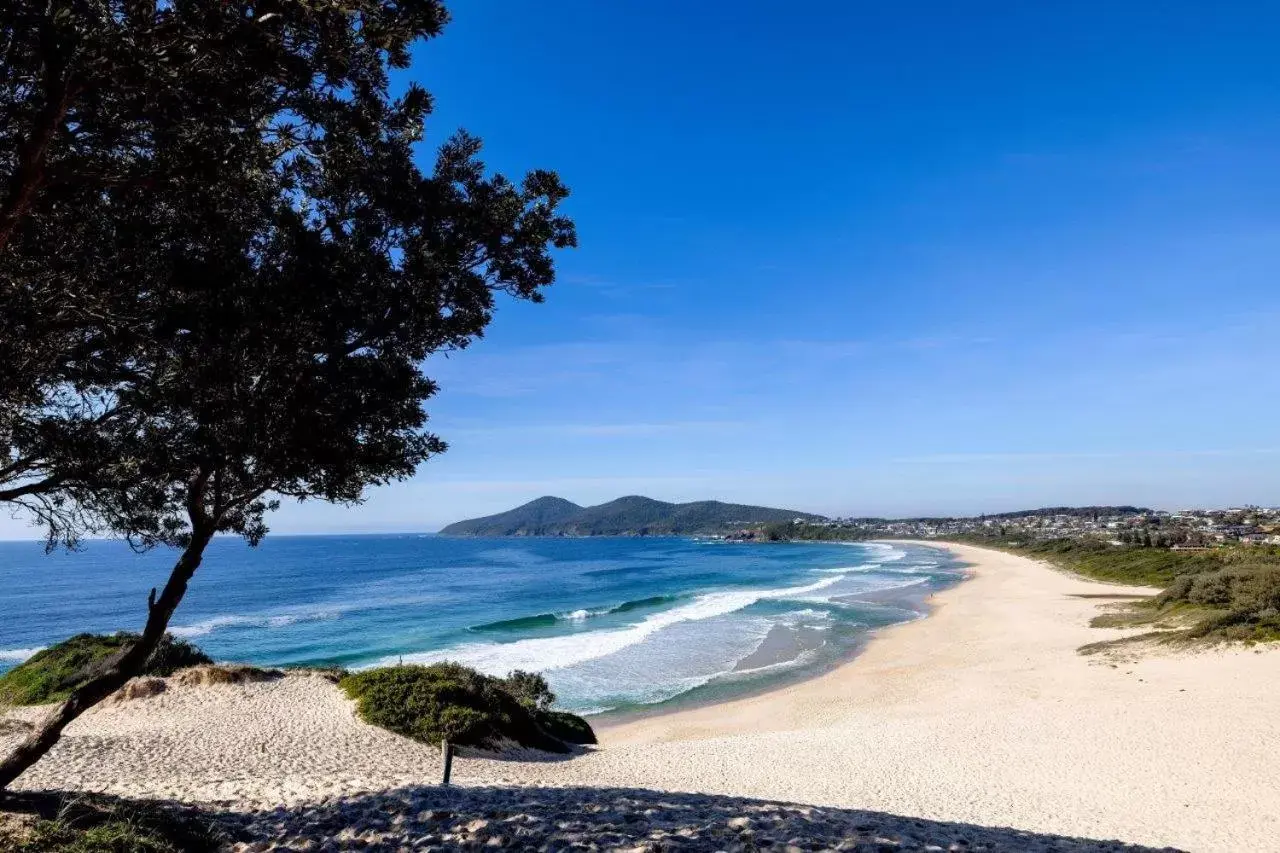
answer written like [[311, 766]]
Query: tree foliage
[[221, 266], [235, 234]]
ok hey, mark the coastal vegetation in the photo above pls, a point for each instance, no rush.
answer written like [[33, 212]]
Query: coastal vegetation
[[52, 674], [89, 823], [633, 515], [222, 269], [792, 531], [451, 702], [1228, 593]]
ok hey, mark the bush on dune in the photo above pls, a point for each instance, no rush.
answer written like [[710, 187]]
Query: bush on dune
[[51, 674], [447, 701], [531, 690], [570, 728], [1236, 589], [1228, 593], [1247, 596]]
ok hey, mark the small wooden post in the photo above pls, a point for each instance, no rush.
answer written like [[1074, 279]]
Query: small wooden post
[[446, 754]]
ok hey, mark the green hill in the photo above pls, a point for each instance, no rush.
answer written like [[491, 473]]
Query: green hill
[[633, 515], [536, 518]]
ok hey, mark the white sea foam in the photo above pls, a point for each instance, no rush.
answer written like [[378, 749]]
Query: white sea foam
[[882, 552], [367, 597], [799, 660], [18, 655], [828, 599], [551, 653], [584, 614], [207, 626], [810, 613], [843, 570], [252, 620]]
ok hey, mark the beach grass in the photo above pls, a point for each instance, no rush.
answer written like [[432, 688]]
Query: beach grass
[[88, 823]]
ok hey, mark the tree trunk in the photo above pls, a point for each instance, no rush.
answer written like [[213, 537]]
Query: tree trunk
[[128, 665]]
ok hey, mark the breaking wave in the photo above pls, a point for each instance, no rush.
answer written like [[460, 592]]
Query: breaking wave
[[547, 620], [551, 653], [279, 620]]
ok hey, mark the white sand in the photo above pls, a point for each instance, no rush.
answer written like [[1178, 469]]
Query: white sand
[[983, 713]]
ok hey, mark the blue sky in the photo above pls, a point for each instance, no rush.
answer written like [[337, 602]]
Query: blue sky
[[856, 258]]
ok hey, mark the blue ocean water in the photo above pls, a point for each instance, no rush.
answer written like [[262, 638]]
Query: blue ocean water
[[614, 623]]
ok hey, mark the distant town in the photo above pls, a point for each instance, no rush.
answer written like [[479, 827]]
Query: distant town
[[1118, 525]]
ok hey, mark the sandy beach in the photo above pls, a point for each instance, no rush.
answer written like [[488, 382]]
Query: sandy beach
[[982, 714]]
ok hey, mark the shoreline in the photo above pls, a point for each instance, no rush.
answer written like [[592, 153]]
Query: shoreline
[[983, 714], [929, 603], [922, 602]]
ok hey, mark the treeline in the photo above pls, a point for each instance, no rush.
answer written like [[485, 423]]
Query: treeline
[[1157, 537], [791, 532], [1091, 512]]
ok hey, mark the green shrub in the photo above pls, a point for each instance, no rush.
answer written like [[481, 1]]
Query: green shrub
[[1232, 592], [530, 689], [447, 701], [1248, 596], [570, 728], [51, 674]]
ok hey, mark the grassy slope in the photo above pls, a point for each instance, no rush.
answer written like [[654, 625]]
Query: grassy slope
[[53, 673]]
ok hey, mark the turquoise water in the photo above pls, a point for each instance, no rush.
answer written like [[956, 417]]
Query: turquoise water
[[613, 623]]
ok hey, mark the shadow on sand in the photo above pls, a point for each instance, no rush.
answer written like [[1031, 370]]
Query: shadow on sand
[[548, 819]]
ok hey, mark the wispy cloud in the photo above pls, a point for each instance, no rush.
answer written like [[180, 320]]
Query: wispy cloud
[[613, 287], [1060, 456]]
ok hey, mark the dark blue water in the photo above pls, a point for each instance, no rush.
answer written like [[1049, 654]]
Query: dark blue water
[[611, 622]]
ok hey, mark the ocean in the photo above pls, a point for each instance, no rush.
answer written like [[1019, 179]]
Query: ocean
[[615, 624]]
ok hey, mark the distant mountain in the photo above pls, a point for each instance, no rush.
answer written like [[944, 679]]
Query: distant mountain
[[630, 516], [541, 517]]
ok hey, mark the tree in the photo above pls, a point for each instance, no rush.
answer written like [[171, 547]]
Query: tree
[[221, 271]]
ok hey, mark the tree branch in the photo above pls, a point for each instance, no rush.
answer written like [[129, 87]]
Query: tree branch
[[48, 484], [29, 175]]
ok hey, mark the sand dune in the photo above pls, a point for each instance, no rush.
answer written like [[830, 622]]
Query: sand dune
[[983, 714]]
